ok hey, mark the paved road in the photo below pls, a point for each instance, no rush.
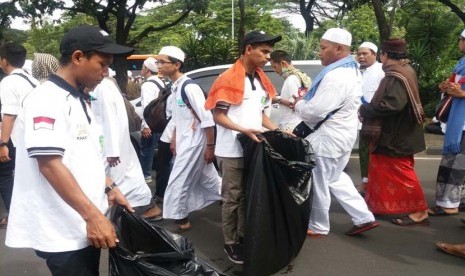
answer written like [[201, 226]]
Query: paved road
[[387, 250]]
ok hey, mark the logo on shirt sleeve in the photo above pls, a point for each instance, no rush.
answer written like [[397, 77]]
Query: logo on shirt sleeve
[[43, 122]]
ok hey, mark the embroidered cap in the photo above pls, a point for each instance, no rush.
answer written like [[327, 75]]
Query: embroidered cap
[[151, 64], [370, 46], [173, 51], [90, 38], [394, 45], [338, 35]]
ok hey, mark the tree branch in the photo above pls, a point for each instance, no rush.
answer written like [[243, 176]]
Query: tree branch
[[150, 29]]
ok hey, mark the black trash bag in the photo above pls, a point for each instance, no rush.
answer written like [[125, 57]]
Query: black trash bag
[[149, 250], [278, 200]]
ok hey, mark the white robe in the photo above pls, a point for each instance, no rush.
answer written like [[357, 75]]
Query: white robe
[[193, 184], [110, 113]]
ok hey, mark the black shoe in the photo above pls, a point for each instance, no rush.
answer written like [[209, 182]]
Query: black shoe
[[234, 252]]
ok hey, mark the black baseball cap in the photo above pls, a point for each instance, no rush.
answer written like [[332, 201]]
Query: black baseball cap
[[90, 38], [259, 37]]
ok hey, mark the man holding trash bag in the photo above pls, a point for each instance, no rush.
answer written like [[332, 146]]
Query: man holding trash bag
[[60, 173]]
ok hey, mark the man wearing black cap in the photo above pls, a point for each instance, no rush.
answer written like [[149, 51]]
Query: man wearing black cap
[[59, 172], [239, 97]]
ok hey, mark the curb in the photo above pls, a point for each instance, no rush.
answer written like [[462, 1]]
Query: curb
[[431, 150]]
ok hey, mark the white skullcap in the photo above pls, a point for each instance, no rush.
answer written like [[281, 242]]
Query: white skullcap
[[151, 64], [338, 35], [172, 51], [369, 45], [463, 33]]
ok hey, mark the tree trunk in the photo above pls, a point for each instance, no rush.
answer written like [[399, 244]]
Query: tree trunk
[[305, 11], [241, 31], [119, 62], [383, 25]]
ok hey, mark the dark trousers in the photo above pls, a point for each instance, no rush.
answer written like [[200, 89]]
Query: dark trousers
[[6, 177], [163, 167], [147, 153], [82, 262]]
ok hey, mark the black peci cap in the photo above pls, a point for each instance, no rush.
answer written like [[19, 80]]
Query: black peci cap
[[259, 37], [90, 38]]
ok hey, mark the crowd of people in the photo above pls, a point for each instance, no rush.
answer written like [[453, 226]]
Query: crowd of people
[[65, 148]]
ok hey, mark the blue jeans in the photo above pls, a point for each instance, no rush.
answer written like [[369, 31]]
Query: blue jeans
[[147, 152]]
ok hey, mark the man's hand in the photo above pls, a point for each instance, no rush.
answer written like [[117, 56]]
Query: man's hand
[[288, 132], [146, 133], [4, 154], [252, 134], [116, 197], [209, 154], [296, 99], [443, 86], [113, 161], [100, 232], [455, 90]]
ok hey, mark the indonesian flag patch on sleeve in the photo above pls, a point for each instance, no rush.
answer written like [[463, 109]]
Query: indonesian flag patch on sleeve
[[43, 122]]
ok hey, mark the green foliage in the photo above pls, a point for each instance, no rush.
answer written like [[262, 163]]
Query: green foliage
[[46, 39], [300, 46], [431, 36]]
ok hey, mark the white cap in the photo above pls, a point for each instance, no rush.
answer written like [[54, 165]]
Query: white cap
[[173, 51], [338, 35], [369, 45], [151, 64], [463, 33]]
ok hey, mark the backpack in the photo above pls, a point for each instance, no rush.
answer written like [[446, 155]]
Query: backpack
[[134, 120], [155, 111]]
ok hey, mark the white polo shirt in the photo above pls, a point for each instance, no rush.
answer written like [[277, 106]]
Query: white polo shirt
[[55, 122], [13, 89], [248, 114]]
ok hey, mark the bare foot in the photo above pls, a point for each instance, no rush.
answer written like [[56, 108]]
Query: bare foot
[[153, 213]]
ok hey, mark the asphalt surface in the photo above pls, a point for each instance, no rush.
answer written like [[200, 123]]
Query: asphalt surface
[[386, 250]]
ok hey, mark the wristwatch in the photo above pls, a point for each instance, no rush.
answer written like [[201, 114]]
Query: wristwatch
[[109, 188], [3, 143]]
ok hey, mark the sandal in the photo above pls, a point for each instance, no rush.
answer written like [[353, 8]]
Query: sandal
[[408, 221], [3, 223], [451, 249], [439, 211]]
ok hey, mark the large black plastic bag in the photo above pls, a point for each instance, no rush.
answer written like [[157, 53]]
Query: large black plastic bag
[[278, 198], [149, 250]]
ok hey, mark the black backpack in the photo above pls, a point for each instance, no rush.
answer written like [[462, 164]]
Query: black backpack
[[155, 111]]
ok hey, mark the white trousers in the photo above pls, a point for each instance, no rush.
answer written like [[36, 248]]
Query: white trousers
[[328, 176]]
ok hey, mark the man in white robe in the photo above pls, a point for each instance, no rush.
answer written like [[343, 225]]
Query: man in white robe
[[335, 92], [194, 182]]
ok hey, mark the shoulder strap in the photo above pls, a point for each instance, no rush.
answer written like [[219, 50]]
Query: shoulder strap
[[26, 78], [317, 126], [161, 88], [185, 99]]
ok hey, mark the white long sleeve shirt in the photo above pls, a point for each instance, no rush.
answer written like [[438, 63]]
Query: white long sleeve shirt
[[341, 87]]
